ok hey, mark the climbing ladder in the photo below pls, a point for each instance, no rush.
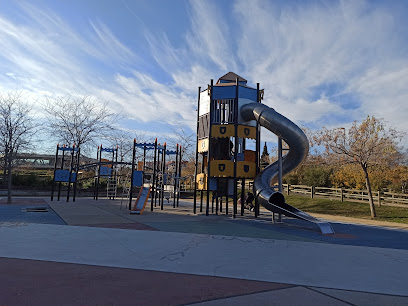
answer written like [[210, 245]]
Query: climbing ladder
[[125, 190], [111, 187]]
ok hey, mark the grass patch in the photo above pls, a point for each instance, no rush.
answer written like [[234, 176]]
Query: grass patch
[[347, 209]]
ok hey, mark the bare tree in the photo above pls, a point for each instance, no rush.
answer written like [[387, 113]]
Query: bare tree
[[366, 144], [79, 119], [123, 139], [185, 138], [16, 130]]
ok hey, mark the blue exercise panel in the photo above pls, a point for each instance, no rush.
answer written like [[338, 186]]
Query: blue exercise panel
[[137, 178], [105, 171], [63, 176]]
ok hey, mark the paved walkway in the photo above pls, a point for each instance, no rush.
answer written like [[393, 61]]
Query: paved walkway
[[105, 256]]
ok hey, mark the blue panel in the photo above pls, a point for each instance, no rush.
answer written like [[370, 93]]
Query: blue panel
[[212, 184], [67, 149], [228, 92], [109, 150], [61, 175], [247, 93], [240, 157], [73, 177], [223, 92], [105, 171], [137, 178]]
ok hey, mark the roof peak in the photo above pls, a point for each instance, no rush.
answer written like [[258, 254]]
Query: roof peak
[[231, 77]]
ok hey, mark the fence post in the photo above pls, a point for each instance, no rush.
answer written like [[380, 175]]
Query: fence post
[[312, 192], [342, 194], [288, 189], [379, 198]]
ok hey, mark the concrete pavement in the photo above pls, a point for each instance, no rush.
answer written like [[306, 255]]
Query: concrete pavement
[[173, 257]]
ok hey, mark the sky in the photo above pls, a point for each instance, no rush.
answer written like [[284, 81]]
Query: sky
[[321, 63]]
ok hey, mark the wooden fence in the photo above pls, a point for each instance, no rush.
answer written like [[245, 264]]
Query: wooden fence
[[387, 198]]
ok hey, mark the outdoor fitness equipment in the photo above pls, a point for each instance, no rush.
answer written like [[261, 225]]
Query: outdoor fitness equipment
[[156, 174], [107, 168], [62, 175]]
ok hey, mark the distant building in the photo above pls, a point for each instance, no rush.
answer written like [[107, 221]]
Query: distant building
[[265, 160], [33, 161]]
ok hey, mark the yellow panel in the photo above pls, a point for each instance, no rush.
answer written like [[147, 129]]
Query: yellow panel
[[246, 169], [245, 131], [203, 145], [222, 130], [202, 181], [224, 168]]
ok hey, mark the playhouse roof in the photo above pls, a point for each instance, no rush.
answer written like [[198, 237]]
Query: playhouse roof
[[231, 77]]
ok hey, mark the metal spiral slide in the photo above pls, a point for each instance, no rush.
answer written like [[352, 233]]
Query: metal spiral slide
[[281, 126]]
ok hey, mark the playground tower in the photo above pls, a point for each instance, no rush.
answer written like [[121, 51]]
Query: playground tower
[[230, 115], [222, 139]]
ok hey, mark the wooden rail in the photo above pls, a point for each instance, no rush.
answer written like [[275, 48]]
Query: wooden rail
[[354, 195]]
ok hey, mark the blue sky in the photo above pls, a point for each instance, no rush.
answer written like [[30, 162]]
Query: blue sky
[[321, 63]]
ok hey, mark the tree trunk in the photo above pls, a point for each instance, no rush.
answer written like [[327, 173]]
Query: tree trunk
[[370, 194]]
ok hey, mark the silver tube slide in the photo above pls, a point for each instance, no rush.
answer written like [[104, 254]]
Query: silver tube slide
[[268, 196]]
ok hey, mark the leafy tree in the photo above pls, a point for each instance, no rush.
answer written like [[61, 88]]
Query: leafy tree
[[291, 178], [79, 119], [16, 131], [399, 178], [366, 144], [316, 176]]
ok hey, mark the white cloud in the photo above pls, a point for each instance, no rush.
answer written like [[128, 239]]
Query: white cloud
[[292, 49]]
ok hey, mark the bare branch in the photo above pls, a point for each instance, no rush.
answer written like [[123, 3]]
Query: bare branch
[[80, 120]]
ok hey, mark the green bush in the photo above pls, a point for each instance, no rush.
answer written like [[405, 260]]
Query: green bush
[[317, 176]]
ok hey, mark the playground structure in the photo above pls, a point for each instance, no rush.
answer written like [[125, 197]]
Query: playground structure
[[229, 113], [158, 177], [62, 175], [107, 169], [155, 178]]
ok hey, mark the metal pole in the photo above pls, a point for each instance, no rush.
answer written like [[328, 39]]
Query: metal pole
[[99, 172], [175, 179], [132, 170], [258, 148], [76, 173], [201, 192], [70, 171], [55, 169], [144, 159], [179, 171], [209, 149], [235, 148], [216, 203], [164, 174], [154, 176], [61, 168], [95, 178], [196, 156], [159, 182]]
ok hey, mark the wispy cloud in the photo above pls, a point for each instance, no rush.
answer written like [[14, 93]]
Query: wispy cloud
[[293, 49], [309, 56]]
